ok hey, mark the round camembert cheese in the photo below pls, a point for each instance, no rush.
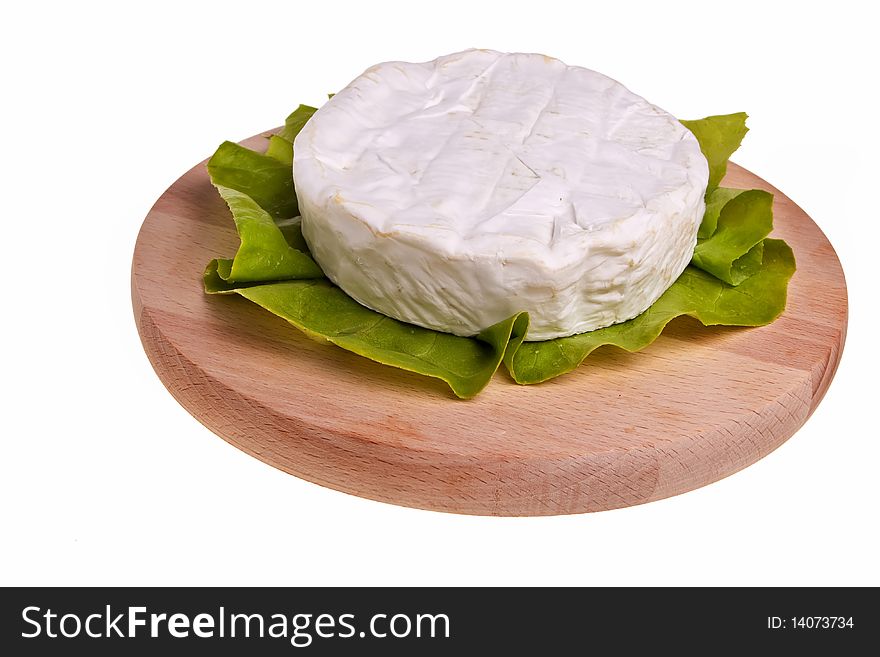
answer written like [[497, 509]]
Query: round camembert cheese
[[454, 193]]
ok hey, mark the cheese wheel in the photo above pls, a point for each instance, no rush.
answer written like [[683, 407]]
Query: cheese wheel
[[454, 193]]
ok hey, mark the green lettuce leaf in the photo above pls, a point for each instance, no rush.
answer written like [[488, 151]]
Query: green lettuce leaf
[[736, 276], [757, 301], [325, 312], [265, 179], [281, 144], [719, 137], [715, 202], [257, 188], [264, 254], [734, 251], [295, 122], [280, 149]]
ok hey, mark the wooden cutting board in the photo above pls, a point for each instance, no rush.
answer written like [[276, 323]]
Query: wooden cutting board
[[623, 429]]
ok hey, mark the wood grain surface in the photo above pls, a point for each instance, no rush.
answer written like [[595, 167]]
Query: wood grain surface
[[623, 429]]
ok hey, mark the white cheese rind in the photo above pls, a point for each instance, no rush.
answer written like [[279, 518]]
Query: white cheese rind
[[454, 193]]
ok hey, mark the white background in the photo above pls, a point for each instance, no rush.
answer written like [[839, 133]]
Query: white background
[[106, 480]]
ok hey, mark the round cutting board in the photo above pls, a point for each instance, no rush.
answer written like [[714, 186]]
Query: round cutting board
[[697, 405]]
